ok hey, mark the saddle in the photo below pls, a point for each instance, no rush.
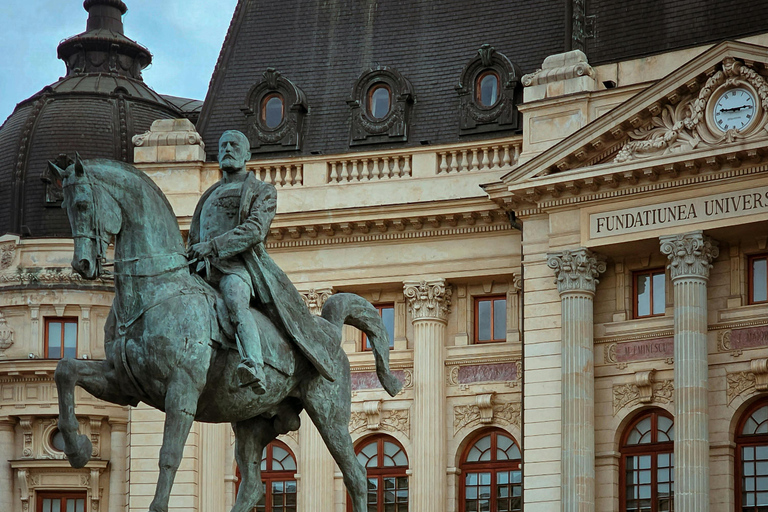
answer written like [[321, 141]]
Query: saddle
[[277, 351]]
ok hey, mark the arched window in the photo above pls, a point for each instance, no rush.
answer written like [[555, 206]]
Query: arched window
[[487, 88], [272, 110], [752, 459], [385, 462], [379, 101], [491, 480], [647, 464], [278, 468]]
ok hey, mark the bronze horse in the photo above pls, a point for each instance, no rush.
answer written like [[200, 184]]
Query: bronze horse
[[162, 341]]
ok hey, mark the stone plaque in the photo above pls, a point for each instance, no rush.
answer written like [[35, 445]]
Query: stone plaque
[[749, 338], [369, 380], [678, 213], [487, 372], [659, 348]]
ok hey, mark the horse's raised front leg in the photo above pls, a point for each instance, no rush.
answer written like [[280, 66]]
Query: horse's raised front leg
[[180, 408], [97, 378], [328, 405], [251, 436]]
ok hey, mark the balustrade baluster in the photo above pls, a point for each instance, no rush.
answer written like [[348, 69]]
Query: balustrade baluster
[[344, 171], [454, 162], [375, 171], [506, 160], [355, 172], [407, 166], [496, 160], [485, 163], [288, 175], [443, 163], [299, 175]]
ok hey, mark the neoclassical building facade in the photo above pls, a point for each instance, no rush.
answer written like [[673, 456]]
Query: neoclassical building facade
[[575, 285]]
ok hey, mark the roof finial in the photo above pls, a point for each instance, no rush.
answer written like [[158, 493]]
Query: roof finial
[[105, 14]]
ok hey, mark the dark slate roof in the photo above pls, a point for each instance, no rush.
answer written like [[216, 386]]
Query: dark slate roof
[[188, 107], [323, 47], [624, 30], [95, 110]]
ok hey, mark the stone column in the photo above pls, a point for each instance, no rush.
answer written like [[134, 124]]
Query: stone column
[[7, 449], [118, 457], [428, 303], [690, 257], [576, 273]]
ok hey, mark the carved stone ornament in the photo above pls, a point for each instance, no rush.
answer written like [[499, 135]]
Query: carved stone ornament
[[45, 276], [428, 300], [392, 127], [690, 254], [7, 254], [752, 381], [506, 413], [724, 343], [6, 334], [374, 419], [643, 391], [560, 67], [315, 299], [502, 115], [686, 123], [576, 270], [288, 134]]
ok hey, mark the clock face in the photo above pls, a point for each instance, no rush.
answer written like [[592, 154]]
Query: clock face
[[734, 110]]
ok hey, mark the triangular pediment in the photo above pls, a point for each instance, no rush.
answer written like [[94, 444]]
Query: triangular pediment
[[673, 116]]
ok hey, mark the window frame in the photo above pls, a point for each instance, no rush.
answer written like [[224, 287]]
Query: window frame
[[263, 110], [751, 278], [650, 272], [476, 318], [63, 320], [492, 466], [478, 88], [654, 448], [63, 495], [369, 100], [268, 476], [742, 440], [379, 308], [381, 471]]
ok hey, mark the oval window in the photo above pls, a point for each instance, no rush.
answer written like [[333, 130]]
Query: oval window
[[379, 101], [272, 111], [487, 89]]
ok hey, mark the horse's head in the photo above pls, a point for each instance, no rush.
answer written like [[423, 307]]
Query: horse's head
[[93, 215]]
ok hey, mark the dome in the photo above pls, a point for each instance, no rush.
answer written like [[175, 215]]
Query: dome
[[94, 110]]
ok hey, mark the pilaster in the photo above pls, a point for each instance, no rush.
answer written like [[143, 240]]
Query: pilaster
[[7, 449], [429, 303], [690, 259], [576, 273], [118, 472]]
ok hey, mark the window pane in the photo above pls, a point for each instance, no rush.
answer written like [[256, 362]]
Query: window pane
[[500, 319], [70, 339], [483, 320], [379, 106], [56, 505], [643, 294], [388, 317], [46, 505], [659, 297], [759, 279], [80, 505], [54, 340], [489, 90], [273, 112], [70, 505]]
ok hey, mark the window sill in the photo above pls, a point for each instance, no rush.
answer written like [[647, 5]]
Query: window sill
[[742, 313], [635, 326]]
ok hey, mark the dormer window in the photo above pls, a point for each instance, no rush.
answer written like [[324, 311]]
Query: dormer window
[[274, 114], [489, 91], [487, 88], [381, 105], [272, 110], [379, 101]]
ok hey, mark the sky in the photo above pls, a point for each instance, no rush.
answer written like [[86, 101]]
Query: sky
[[184, 37]]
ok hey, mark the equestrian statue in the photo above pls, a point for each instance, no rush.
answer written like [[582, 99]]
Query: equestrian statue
[[214, 333]]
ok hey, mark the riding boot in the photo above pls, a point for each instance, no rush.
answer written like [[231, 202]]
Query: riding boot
[[250, 371]]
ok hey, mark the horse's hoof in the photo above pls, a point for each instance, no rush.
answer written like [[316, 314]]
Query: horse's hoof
[[82, 453]]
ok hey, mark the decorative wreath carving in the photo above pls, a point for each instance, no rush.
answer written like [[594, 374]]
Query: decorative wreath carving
[[393, 127], [476, 118], [286, 136], [686, 125]]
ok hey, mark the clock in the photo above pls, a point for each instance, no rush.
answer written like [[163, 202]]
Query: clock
[[735, 109]]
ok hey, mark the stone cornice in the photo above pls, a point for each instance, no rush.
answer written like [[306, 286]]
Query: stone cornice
[[428, 299], [690, 254], [576, 270], [52, 276]]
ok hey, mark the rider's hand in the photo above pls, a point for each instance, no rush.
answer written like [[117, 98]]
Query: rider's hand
[[200, 250]]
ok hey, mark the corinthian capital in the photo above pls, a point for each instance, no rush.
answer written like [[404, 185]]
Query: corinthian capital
[[690, 254], [315, 299], [576, 270], [428, 299]]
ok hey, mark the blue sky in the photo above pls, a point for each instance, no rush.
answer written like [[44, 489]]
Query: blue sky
[[184, 36]]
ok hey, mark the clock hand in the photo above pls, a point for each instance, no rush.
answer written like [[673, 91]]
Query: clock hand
[[734, 109]]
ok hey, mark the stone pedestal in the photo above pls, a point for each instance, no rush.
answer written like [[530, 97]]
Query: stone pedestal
[[690, 257], [118, 476], [576, 274], [428, 302], [7, 449]]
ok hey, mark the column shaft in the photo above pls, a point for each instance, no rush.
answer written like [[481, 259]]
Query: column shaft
[[118, 457], [316, 469]]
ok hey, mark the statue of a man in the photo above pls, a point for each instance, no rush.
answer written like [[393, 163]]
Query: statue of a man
[[227, 236]]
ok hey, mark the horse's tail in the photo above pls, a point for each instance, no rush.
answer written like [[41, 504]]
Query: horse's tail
[[351, 309]]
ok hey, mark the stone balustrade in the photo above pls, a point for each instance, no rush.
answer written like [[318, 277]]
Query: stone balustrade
[[373, 168], [280, 175], [479, 157]]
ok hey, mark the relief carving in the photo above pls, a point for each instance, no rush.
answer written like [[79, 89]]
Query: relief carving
[[752, 381], [724, 344], [7, 254], [690, 254], [315, 299], [397, 420], [643, 390], [576, 270], [6, 334], [428, 299], [505, 413]]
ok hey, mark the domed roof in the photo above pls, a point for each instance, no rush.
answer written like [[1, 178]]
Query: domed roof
[[95, 109]]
